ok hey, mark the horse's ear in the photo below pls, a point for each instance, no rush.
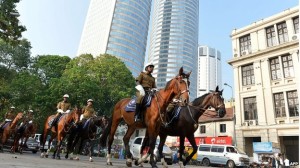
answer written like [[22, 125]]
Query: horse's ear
[[221, 92], [180, 71], [189, 73], [217, 88]]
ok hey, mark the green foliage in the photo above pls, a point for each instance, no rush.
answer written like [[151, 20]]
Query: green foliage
[[10, 28]]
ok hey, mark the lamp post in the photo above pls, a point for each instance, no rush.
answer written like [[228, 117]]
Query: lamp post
[[233, 111]]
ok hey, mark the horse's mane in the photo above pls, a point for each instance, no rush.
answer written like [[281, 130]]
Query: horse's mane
[[168, 84], [199, 100]]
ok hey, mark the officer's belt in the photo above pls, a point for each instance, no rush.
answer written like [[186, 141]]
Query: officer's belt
[[147, 89]]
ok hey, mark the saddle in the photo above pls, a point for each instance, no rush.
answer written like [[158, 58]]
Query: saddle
[[130, 107], [53, 120]]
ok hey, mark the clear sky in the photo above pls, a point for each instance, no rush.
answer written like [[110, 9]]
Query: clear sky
[[54, 26]]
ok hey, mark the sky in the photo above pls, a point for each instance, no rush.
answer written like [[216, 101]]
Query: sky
[[55, 26]]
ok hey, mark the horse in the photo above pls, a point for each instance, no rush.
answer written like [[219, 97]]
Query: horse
[[153, 117], [187, 122], [60, 131], [84, 134], [23, 133], [8, 129]]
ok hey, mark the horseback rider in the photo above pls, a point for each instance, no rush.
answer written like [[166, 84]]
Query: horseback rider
[[29, 116], [144, 83], [88, 111], [9, 116], [62, 108]]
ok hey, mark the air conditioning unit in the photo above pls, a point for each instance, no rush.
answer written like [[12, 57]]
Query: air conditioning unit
[[295, 37], [245, 123], [252, 122]]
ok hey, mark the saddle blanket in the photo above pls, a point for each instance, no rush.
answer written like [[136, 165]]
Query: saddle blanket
[[5, 125], [130, 107], [52, 119]]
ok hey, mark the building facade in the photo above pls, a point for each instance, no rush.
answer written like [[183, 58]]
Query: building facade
[[119, 28], [174, 40], [209, 70], [266, 79]]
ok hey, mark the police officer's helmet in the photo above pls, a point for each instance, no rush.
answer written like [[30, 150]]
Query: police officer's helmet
[[147, 65], [30, 111], [66, 95], [89, 100], [12, 107]]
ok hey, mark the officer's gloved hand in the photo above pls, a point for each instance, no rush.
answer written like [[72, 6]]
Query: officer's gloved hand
[[154, 90]]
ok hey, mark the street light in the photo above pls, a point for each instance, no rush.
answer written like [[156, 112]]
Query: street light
[[233, 111]]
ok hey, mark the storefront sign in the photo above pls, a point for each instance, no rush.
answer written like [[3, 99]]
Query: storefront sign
[[261, 147], [208, 140]]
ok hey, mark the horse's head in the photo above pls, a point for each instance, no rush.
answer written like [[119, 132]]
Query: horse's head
[[215, 100], [77, 111], [101, 121], [179, 86]]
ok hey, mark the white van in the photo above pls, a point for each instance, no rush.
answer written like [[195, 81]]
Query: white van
[[227, 155]]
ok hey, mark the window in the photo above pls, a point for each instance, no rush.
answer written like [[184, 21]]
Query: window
[[293, 103], [275, 68], [230, 150], [250, 109], [245, 44], [288, 68], [271, 36], [279, 105], [219, 149], [282, 32], [248, 75], [296, 25], [222, 128], [137, 133], [202, 129], [204, 148]]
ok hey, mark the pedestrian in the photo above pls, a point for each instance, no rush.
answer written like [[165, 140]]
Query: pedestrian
[[287, 162]]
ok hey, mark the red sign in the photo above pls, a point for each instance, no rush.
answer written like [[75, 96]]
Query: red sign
[[208, 140]]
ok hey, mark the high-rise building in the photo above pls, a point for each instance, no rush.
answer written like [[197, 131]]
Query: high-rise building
[[266, 67], [209, 70], [174, 40], [119, 28]]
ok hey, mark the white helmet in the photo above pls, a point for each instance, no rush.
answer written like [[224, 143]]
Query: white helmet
[[12, 107], [31, 111], [66, 95], [90, 100], [149, 64]]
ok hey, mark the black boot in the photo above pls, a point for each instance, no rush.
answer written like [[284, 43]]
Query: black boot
[[53, 122], [137, 115]]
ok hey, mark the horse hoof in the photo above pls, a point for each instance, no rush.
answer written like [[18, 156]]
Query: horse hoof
[[58, 157], [109, 164], [128, 164], [71, 158], [91, 160], [77, 158]]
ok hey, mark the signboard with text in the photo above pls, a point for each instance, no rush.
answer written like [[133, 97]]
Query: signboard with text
[[208, 140]]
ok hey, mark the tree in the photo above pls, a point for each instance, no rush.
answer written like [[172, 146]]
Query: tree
[[10, 28], [49, 67]]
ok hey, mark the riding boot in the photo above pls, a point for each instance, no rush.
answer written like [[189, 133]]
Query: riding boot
[[137, 115]]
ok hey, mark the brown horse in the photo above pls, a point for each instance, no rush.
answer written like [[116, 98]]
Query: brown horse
[[187, 123], [7, 131], [28, 129], [60, 131], [176, 87]]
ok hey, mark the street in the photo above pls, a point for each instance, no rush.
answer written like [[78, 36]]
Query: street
[[29, 160]]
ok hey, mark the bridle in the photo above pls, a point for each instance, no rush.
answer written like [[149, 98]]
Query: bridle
[[178, 96]]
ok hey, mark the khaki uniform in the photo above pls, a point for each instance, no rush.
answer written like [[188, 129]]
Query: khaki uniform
[[64, 106], [88, 112], [147, 81], [10, 115]]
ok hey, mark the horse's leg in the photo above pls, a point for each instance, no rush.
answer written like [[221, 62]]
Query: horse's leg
[[152, 132], [126, 139], [162, 141], [191, 138], [114, 126], [90, 150], [145, 144], [49, 146], [181, 150], [70, 144]]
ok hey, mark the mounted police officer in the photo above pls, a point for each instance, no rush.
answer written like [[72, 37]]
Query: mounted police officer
[[144, 83], [62, 108], [9, 116], [88, 111]]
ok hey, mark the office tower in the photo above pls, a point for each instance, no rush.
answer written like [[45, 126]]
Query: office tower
[[209, 70], [119, 28], [174, 40]]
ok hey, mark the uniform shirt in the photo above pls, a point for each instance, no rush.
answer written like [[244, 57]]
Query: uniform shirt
[[10, 115], [64, 106], [88, 111], [146, 80]]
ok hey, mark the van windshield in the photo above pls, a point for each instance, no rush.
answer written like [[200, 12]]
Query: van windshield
[[240, 151]]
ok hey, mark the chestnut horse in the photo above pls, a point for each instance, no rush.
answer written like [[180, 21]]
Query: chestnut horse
[[176, 87], [60, 131], [187, 123], [23, 133], [6, 133]]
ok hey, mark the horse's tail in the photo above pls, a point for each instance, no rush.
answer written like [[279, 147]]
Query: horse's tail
[[105, 133]]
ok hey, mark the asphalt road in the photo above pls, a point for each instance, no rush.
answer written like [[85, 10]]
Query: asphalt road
[[29, 160]]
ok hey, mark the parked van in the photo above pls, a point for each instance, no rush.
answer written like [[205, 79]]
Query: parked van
[[227, 155]]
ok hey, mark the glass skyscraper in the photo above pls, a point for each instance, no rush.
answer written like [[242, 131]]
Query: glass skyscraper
[[174, 40], [117, 27]]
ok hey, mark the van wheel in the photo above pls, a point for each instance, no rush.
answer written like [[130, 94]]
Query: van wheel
[[230, 164], [205, 162]]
